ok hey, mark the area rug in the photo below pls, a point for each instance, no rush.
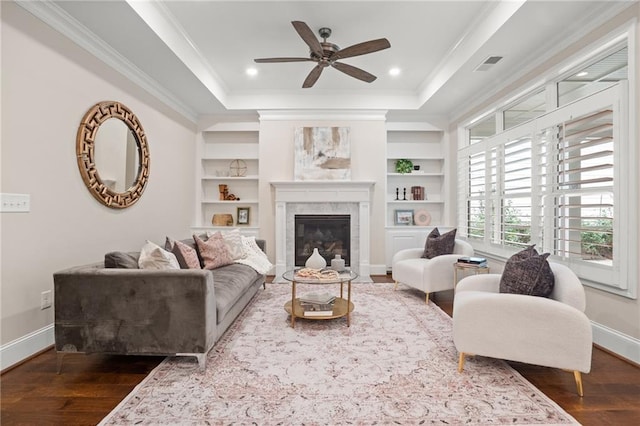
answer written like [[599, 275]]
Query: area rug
[[395, 364]]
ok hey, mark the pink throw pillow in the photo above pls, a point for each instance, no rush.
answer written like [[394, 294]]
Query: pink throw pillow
[[187, 256], [214, 252]]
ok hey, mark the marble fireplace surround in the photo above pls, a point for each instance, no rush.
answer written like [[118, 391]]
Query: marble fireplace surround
[[323, 197]]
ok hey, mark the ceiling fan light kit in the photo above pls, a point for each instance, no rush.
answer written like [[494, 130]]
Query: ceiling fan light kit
[[326, 54]]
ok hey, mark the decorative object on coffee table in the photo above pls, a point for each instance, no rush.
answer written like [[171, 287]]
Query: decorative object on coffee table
[[337, 263], [243, 215], [315, 261]]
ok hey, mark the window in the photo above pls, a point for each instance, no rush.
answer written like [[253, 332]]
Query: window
[[581, 187], [554, 182], [603, 73], [483, 129], [524, 110]]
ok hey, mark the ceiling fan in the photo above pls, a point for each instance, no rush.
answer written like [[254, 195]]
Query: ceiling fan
[[327, 54]]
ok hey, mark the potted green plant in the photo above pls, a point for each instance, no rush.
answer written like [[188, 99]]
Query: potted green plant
[[404, 166]]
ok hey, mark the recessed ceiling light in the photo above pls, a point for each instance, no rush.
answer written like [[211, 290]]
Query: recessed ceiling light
[[252, 72], [582, 74], [394, 71]]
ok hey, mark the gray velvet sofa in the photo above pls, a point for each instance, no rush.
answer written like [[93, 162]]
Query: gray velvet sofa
[[148, 312]]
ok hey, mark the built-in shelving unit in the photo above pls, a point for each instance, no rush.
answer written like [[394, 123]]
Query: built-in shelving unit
[[423, 145], [219, 147]]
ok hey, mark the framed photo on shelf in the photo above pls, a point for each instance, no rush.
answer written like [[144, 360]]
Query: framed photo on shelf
[[403, 217], [243, 215]]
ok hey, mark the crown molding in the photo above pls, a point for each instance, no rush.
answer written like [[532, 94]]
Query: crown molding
[[322, 115], [57, 18]]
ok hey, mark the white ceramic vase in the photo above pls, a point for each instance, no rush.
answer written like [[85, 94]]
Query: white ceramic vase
[[337, 263], [315, 261]]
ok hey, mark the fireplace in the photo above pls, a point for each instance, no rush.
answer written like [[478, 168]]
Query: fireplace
[[348, 198], [330, 234]]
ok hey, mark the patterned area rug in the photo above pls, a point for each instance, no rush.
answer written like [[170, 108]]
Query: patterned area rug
[[396, 364]]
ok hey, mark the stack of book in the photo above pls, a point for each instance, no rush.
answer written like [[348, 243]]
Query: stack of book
[[317, 304], [476, 261]]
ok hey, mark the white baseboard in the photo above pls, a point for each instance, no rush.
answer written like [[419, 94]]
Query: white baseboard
[[26, 346], [378, 269], [614, 341]]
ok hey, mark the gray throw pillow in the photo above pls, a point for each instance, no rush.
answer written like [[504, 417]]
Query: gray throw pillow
[[120, 259], [437, 245], [527, 272]]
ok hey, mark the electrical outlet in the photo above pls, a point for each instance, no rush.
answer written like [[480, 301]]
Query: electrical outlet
[[15, 203], [45, 299]]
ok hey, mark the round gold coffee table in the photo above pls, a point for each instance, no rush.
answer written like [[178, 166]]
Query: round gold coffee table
[[341, 307]]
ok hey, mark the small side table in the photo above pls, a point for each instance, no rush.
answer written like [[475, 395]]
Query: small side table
[[465, 267]]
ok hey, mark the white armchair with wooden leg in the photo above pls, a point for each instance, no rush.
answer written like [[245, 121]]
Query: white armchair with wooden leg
[[552, 332], [428, 275]]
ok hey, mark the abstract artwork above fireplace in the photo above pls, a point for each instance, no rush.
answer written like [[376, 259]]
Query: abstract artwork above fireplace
[[322, 153]]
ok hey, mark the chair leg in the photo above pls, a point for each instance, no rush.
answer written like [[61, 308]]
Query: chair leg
[[395, 287], [461, 362], [578, 377], [426, 300]]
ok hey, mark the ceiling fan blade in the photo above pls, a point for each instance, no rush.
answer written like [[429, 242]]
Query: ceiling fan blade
[[354, 72], [362, 48], [269, 60], [312, 77], [307, 35]]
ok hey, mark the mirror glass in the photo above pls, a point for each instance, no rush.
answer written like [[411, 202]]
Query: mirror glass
[[116, 155], [113, 154]]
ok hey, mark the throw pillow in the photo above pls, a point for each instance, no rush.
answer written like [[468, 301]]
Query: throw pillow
[[152, 256], [213, 251], [527, 272], [437, 245], [120, 259], [187, 256], [233, 240]]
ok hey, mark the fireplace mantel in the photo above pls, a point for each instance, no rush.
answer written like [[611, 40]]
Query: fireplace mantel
[[328, 194]]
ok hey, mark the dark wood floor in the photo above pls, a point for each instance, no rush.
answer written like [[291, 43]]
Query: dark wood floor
[[91, 386]]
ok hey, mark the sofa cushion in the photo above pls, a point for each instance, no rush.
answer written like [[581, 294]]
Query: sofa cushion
[[120, 259], [152, 256], [213, 251], [527, 272], [437, 245], [231, 282], [187, 256]]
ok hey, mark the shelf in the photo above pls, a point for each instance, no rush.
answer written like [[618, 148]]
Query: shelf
[[251, 177], [417, 158], [412, 175], [414, 202], [249, 201], [230, 158]]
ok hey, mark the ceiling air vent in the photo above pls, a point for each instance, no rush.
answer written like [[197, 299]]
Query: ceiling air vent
[[488, 63]]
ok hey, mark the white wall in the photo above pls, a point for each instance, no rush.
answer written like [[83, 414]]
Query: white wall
[[368, 163], [616, 319], [48, 83]]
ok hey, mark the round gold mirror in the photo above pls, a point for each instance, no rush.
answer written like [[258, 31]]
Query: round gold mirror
[[113, 154]]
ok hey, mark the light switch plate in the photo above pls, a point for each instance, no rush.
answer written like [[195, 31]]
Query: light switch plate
[[15, 203]]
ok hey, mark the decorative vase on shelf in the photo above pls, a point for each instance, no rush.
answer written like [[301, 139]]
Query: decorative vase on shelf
[[315, 261], [337, 263]]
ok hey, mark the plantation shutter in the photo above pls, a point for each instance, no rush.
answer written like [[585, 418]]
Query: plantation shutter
[[581, 191]]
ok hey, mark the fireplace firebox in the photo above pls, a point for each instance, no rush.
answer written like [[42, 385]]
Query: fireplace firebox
[[330, 234]]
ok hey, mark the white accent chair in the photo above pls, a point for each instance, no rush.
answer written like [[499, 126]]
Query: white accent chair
[[552, 332], [428, 275]]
